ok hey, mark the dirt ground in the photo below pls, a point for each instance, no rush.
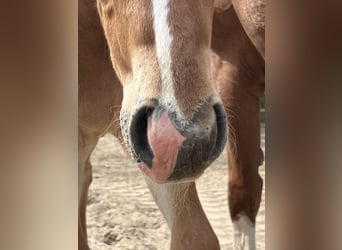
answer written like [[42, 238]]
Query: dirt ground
[[122, 214]]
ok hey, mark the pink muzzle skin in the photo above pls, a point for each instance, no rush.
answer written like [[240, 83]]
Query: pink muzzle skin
[[165, 142]]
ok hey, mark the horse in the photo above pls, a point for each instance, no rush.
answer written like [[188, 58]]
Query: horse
[[168, 78]]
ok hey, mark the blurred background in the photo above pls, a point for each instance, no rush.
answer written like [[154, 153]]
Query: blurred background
[[38, 128]]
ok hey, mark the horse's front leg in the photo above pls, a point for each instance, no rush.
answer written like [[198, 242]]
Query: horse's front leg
[[240, 78], [181, 207], [241, 97], [244, 157], [86, 145]]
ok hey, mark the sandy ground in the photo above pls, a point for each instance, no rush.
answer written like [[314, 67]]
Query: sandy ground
[[122, 214]]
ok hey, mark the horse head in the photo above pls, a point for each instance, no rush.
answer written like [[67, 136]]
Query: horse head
[[172, 119]]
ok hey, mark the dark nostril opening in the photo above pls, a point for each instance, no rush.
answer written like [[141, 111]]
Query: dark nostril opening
[[221, 138], [139, 138]]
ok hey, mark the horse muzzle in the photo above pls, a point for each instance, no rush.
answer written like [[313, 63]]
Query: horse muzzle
[[170, 149]]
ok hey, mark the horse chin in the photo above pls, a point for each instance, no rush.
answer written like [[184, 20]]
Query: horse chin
[[186, 179], [165, 178]]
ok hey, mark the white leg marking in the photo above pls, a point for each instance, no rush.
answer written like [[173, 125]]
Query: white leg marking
[[244, 233], [163, 39]]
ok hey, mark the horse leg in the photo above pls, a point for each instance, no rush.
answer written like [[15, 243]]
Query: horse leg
[[241, 99], [239, 75], [86, 145], [244, 183], [181, 207]]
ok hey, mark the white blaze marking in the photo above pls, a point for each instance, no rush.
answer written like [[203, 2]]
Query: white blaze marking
[[163, 39], [244, 233]]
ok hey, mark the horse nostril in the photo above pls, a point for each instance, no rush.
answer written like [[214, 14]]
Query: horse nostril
[[221, 137], [138, 132]]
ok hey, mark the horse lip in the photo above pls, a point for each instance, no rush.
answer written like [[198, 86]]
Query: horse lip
[[149, 172]]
